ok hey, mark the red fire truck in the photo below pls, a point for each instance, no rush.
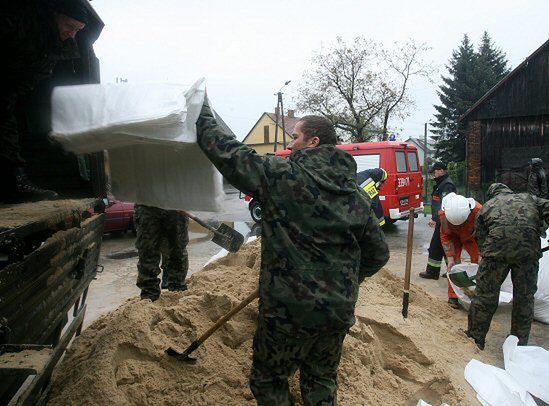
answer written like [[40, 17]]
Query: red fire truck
[[403, 188]]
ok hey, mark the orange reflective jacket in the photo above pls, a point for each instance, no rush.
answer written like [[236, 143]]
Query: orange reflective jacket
[[455, 238]]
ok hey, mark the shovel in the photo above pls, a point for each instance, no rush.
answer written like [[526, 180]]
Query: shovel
[[184, 356], [224, 236]]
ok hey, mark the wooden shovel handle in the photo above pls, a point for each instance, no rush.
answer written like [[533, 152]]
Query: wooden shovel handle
[[229, 315]]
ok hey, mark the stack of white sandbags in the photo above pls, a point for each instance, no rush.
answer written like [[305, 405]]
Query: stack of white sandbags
[[150, 134], [526, 373]]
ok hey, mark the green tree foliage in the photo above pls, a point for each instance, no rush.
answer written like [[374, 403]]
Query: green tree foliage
[[470, 75]]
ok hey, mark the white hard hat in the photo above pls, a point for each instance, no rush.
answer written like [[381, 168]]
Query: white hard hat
[[457, 208]]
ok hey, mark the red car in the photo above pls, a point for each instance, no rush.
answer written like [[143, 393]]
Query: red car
[[119, 216]]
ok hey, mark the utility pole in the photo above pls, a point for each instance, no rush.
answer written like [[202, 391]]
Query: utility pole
[[425, 169], [280, 110]]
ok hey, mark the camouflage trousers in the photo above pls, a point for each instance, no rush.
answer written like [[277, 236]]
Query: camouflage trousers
[[161, 233], [277, 356], [491, 275]]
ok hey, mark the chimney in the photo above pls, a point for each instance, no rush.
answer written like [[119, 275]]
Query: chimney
[[291, 113]]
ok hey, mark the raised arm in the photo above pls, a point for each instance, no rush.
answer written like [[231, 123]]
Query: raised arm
[[244, 168]]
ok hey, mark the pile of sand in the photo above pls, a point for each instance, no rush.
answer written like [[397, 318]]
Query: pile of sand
[[120, 358]]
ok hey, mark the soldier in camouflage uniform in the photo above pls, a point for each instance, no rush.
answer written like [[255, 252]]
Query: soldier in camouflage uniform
[[33, 37], [507, 233], [161, 232], [320, 240]]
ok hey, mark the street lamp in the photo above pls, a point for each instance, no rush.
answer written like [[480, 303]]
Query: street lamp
[[280, 108]]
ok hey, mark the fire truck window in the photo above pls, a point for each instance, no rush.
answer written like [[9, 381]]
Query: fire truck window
[[364, 162], [412, 161], [401, 161]]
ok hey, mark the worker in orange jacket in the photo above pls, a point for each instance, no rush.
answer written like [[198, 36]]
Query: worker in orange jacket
[[457, 231]]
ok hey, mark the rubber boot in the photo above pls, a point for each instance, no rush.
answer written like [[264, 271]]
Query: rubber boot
[[429, 275]]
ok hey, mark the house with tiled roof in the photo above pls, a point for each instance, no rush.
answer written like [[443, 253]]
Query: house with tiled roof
[[263, 133]]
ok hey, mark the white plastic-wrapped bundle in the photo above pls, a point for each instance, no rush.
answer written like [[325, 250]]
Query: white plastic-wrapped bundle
[[150, 134]]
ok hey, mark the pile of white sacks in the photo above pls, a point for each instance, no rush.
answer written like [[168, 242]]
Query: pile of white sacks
[[149, 133], [526, 373]]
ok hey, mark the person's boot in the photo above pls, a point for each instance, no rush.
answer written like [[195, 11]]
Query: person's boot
[[480, 343], [25, 191], [429, 275], [453, 302]]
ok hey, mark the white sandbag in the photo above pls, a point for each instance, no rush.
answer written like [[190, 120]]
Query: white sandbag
[[464, 294], [90, 118], [159, 176], [421, 402], [495, 387], [541, 303], [149, 132], [529, 366]]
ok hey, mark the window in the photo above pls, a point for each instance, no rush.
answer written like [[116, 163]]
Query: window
[[265, 134], [364, 162], [412, 161], [401, 161]]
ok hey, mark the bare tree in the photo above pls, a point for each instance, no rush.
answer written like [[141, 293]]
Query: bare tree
[[361, 86]]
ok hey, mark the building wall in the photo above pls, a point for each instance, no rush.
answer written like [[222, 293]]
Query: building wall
[[505, 147], [474, 158], [256, 137]]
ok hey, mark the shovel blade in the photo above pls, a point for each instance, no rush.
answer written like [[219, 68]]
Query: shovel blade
[[461, 279], [181, 356], [228, 238]]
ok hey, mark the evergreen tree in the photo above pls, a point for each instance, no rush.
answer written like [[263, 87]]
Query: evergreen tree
[[491, 64], [471, 75]]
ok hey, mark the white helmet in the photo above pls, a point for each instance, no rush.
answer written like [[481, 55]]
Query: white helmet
[[457, 208]]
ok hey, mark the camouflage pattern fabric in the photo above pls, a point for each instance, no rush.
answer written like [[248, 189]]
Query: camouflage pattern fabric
[[491, 275], [277, 356], [153, 225], [507, 233], [320, 238], [508, 224]]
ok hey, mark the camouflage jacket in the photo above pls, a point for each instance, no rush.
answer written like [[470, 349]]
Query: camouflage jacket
[[320, 238], [508, 225]]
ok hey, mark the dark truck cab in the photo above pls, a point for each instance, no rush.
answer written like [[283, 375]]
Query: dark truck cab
[[49, 250]]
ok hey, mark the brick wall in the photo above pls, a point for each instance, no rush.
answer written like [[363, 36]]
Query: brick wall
[[474, 157]]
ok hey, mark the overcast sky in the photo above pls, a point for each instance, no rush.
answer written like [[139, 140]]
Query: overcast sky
[[247, 49]]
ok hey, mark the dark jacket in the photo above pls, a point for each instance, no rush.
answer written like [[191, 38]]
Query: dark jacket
[[370, 180], [508, 225], [320, 238], [443, 186], [537, 180], [30, 46]]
